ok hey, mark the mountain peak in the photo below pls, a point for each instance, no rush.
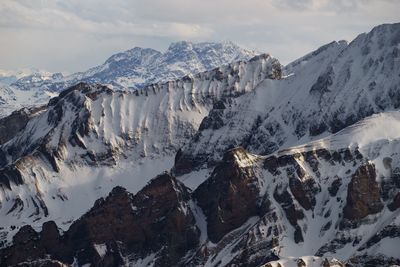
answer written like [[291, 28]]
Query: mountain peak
[[384, 35], [128, 70], [135, 53], [386, 26], [204, 45], [180, 45]]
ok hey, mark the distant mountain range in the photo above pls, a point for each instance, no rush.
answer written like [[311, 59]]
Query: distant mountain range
[[248, 164], [127, 70]]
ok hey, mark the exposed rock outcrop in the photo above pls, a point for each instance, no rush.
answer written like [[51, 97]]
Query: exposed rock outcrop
[[16, 121], [363, 194], [155, 220], [231, 195]]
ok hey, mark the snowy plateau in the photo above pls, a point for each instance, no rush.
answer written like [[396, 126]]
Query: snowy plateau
[[208, 157]]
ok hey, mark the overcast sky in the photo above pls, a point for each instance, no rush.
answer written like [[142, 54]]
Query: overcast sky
[[73, 35]]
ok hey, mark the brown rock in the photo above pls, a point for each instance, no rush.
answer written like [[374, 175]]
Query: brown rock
[[157, 219], [363, 194], [230, 196], [301, 263]]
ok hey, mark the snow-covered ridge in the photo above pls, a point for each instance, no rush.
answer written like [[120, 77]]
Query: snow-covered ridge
[[115, 115], [138, 67], [382, 127], [12, 99], [131, 69], [91, 129], [8, 77], [327, 90]]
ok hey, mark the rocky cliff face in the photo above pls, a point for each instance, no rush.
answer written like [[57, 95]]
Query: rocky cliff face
[[156, 222], [363, 194], [15, 122], [230, 196]]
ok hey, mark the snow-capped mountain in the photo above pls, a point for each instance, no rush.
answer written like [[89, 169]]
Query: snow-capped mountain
[[325, 91], [14, 97], [138, 67], [127, 70], [8, 77], [91, 125], [264, 166]]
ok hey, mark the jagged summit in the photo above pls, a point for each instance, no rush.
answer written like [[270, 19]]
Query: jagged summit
[[333, 48], [135, 54], [128, 70], [139, 66]]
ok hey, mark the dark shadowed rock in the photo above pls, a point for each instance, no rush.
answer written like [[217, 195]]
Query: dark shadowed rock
[[363, 194], [16, 121], [230, 196], [395, 204], [156, 220]]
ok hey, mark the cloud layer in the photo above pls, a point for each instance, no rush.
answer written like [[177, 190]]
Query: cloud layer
[[72, 35]]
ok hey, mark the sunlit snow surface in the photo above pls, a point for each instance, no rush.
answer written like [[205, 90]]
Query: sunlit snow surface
[[310, 261]]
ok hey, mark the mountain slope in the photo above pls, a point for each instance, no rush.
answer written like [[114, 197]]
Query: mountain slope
[[324, 92], [109, 137]]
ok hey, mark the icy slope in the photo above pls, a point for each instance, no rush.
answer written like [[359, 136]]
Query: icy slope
[[323, 92], [91, 138], [308, 261]]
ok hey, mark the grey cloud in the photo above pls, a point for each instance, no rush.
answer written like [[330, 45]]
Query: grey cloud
[[293, 4], [71, 35]]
